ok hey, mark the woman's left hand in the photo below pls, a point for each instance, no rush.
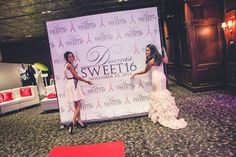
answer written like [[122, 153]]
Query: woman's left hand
[[165, 59], [132, 76]]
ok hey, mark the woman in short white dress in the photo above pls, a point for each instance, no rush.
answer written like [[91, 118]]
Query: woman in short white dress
[[73, 90], [162, 105]]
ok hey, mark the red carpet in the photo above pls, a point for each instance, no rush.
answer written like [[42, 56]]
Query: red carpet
[[111, 149]]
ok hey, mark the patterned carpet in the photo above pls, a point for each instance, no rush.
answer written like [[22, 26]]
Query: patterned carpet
[[211, 130]]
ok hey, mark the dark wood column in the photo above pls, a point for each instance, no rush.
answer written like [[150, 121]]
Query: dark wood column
[[200, 55], [230, 43], [173, 28]]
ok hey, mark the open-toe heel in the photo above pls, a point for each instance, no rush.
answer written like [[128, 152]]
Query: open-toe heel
[[70, 129], [82, 125]]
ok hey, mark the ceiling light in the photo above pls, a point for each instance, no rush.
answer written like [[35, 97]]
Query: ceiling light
[[43, 12], [49, 11]]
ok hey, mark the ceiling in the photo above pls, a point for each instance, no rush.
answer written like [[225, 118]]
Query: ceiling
[[20, 19]]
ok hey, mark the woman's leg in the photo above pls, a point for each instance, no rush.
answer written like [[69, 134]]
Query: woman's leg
[[75, 114], [73, 119], [78, 113]]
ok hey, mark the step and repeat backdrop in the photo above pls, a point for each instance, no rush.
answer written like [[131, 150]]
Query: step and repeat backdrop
[[108, 49]]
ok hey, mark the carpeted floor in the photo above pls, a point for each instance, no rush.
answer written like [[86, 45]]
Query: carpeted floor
[[211, 130]]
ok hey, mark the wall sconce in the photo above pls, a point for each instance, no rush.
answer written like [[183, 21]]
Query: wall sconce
[[228, 26], [223, 25]]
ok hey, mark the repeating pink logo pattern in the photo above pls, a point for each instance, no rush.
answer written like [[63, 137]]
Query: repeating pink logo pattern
[[108, 49]]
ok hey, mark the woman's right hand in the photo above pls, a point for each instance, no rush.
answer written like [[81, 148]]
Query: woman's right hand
[[90, 82]]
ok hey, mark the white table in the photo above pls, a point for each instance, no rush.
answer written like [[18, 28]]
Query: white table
[[49, 104]]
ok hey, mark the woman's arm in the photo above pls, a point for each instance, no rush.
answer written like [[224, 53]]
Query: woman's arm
[[165, 57], [74, 73], [147, 68]]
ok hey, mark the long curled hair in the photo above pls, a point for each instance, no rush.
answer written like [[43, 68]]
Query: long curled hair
[[154, 54]]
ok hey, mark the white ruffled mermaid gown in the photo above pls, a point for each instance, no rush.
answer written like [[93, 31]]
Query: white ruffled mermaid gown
[[162, 105]]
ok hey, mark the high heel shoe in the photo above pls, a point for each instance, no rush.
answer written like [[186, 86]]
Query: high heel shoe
[[70, 129], [81, 125]]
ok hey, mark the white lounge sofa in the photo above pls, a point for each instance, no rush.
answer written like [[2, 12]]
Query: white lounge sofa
[[19, 101], [49, 104]]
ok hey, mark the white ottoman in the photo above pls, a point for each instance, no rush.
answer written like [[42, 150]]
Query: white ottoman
[[49, 104]]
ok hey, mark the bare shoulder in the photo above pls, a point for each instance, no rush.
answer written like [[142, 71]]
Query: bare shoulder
[[68, 66], [151, 62]]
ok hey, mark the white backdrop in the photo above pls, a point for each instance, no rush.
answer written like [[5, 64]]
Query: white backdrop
[[108, 48]]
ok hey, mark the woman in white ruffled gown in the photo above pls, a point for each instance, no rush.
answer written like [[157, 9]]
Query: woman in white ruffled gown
[[162, 105]]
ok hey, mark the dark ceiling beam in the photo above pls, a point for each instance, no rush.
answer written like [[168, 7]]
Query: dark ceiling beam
[[104, 5], [19, 7], [32, 14], [12, 27], [61, 6], [23, 6]]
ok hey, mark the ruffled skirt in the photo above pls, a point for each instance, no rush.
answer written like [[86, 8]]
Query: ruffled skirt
[[164, 110]]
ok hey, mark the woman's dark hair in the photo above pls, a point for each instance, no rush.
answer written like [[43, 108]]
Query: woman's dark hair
[[66, 55], [154, 54]]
